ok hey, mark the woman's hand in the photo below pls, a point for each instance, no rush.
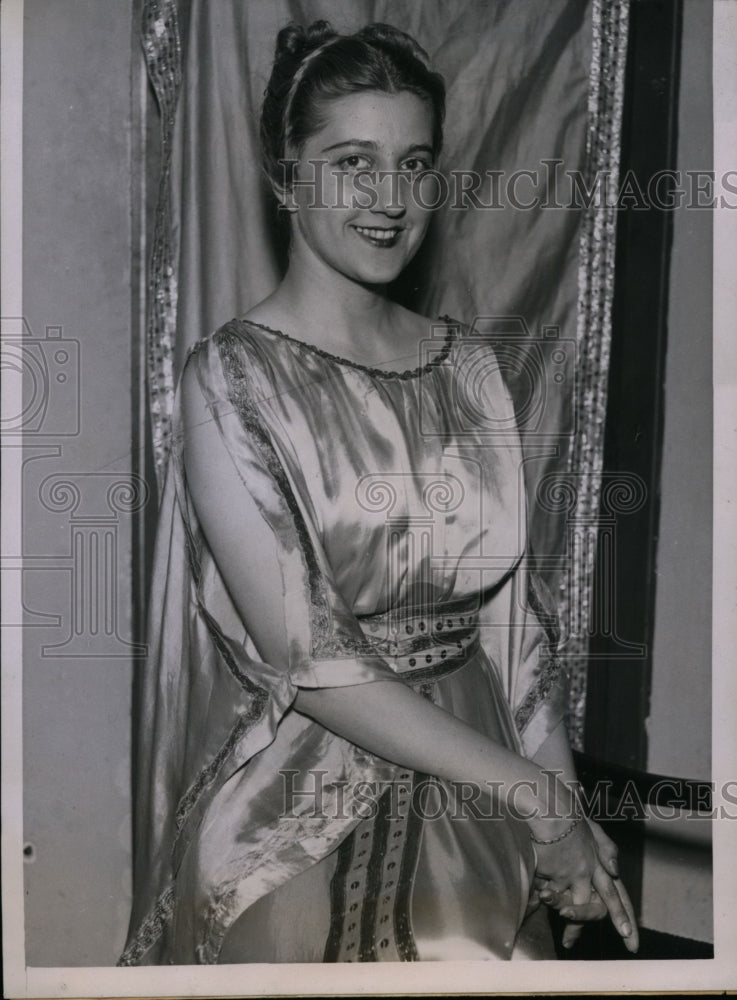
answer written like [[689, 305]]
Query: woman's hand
[[578, 876]]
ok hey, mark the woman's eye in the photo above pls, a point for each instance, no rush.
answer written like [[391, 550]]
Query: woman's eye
[[415, 165], [354, 162]]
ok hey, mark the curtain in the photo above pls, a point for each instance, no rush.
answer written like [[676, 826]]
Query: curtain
[[534, 96]]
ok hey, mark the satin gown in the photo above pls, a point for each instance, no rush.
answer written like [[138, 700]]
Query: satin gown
[[396, 501]]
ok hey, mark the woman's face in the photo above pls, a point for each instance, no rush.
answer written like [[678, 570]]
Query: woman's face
[[355, 210]]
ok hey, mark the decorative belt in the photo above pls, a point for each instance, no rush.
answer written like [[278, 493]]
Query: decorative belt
[[424, 644]]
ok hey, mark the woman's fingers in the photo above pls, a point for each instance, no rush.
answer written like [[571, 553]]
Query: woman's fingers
[[581, 892], [576, 899], [611, 900], [622, 915], [607, 849], [572, 883], [571, 934], [548, 894], [632, 942], [595, 909]]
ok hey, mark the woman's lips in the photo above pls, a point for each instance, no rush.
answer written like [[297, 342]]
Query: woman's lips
[[379, 236]]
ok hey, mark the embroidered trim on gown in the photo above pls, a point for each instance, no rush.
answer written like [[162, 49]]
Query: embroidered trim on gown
[[397, 505]]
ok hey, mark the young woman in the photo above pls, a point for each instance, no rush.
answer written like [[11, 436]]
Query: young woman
[[352, 739]]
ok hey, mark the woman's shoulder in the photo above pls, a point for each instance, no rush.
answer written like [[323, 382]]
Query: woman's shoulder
[[228, 362], [238, 334]]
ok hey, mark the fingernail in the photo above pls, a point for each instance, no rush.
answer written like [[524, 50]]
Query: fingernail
[[626, 929], [615, 868], [546, 894], [568, 914]]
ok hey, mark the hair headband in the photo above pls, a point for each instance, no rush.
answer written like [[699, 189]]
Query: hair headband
[[299, 76]]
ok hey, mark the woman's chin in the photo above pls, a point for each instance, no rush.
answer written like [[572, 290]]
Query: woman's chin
[[378, 273]]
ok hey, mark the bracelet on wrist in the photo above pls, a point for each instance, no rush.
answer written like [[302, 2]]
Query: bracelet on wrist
[[554, 840]]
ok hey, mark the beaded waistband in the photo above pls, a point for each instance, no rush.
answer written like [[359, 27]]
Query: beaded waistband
[[425, 644]]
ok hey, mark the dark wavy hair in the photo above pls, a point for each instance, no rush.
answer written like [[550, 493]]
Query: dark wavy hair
[[315, 65]]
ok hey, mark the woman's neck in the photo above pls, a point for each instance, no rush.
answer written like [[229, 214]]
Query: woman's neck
[[321, 306], [331, 300]]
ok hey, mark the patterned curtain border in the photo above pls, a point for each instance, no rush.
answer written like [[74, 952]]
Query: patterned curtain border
[[610, 20], [163, 54]]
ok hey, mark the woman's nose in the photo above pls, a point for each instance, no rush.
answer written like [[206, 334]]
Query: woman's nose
[[390, 194]]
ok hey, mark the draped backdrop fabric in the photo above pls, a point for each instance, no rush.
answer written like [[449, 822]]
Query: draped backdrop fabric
[[534, 91]]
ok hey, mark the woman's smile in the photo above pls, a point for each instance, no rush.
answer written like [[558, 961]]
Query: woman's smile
[[379, 236]]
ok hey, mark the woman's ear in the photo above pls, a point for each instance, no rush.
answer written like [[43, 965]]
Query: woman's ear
[[282, 188], [285, 198]]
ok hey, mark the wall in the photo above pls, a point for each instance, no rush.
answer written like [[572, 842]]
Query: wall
[[677, 878], [77, 274]]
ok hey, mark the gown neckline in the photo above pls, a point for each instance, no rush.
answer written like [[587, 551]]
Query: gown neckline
[[385, 373]]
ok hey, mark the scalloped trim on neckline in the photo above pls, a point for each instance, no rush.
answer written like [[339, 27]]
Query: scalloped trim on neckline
[[378, 372]]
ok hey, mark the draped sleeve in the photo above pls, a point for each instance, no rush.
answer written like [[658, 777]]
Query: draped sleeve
[[327, 647]]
